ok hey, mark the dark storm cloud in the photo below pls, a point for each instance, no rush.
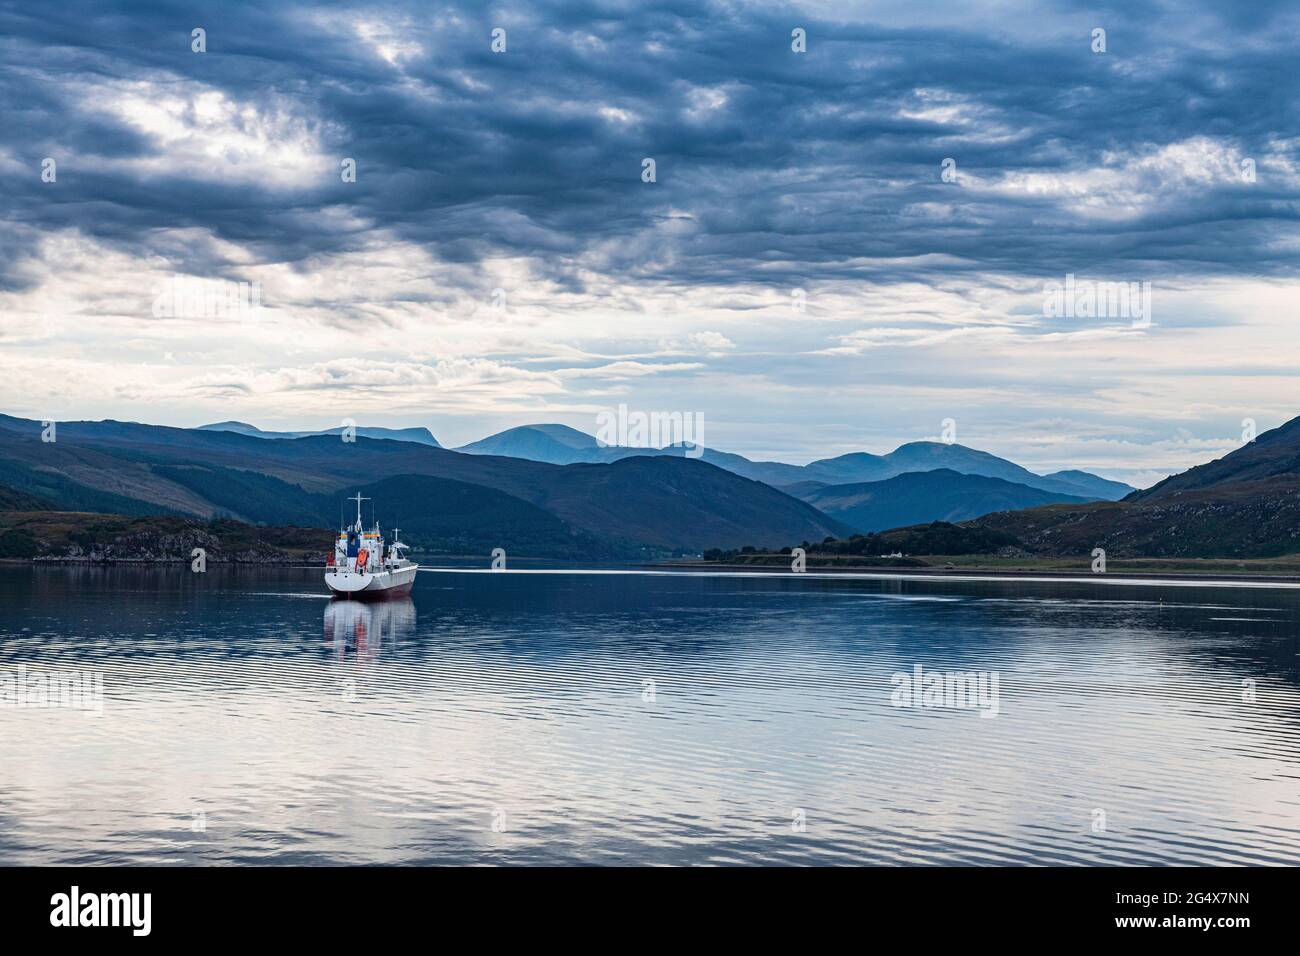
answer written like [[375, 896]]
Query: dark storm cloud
[[773, 167]]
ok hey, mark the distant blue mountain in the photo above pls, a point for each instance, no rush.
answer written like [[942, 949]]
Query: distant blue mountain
[[553, 444], [920, 456], [920, 497], [419, 435], [1090, 485], [562, 445]]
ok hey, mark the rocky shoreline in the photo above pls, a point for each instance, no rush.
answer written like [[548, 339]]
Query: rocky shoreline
[[89, 539], [99, 559]]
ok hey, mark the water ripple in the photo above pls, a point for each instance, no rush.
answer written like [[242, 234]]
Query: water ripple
[[649, 719]]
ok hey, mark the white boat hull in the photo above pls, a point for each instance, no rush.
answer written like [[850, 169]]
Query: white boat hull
[[345, 582]]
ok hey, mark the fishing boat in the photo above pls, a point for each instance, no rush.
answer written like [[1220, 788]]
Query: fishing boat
[[363, 565]]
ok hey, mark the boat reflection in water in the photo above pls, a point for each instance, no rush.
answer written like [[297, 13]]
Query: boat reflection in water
[[366, 628]]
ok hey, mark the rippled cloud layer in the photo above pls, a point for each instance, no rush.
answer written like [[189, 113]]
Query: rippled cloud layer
[[854, 212]]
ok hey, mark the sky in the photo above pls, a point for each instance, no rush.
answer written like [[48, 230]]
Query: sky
[[843, 247]]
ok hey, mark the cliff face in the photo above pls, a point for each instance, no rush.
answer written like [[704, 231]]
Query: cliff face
[[94, 538]]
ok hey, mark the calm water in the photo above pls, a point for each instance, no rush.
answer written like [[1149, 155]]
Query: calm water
[[506, 718]]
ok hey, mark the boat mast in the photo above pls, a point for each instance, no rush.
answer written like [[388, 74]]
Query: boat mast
[[358, 499]]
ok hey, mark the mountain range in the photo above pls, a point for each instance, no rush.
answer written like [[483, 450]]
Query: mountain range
[[562, 445], [629, 507], [556, 444], [629, 502], [550, 489]]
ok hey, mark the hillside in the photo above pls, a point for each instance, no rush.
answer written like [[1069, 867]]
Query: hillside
[[710, 507], [1246, 504], [920, 497], [94, 538], [437, 516], [1247, 520], [1274, 455], [454, 517], [11, 499]]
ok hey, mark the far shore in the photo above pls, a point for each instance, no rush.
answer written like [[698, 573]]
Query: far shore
[[1284, 570], [970, 567]]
